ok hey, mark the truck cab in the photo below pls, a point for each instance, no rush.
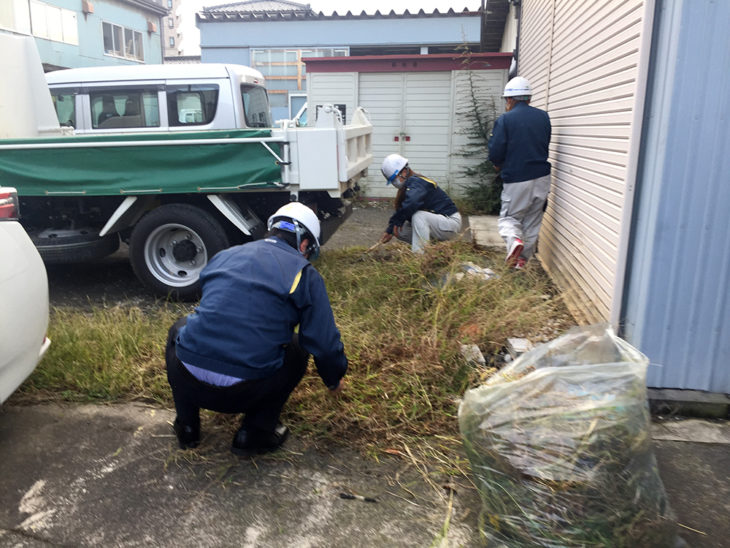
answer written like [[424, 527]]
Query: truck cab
[[150, 98]]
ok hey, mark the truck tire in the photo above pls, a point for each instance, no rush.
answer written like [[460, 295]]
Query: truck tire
[[66, 246], [169, 247]]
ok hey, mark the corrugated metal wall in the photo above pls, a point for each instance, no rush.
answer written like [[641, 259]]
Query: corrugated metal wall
[[426, 111], [334, 88], [677, 306], [582, 59]]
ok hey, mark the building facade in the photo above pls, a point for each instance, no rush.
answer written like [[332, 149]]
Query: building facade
[[82, 33], [274, 37], [636, 233], [421, 106]]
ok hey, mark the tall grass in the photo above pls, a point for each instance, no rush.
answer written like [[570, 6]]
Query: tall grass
[[402, 318]]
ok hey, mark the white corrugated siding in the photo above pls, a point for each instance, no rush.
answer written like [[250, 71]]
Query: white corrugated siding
[[429, 108], [381, 94], [582, 59], [428, 124], [334, 88], [415, 105]]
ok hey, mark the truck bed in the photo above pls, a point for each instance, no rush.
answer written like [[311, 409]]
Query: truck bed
[[144, 163]]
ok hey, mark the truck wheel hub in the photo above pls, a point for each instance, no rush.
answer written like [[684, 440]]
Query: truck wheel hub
[[184, 251]]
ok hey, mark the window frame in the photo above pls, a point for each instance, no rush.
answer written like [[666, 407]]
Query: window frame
[[118, 33]]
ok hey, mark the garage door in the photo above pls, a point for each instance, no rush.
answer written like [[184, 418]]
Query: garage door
[[411, 115]]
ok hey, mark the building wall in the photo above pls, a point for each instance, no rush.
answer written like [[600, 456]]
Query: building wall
[[584, 61], [87, 48], [424, 116], [509, 38], [338, 32], [677, 309], [235, 41]]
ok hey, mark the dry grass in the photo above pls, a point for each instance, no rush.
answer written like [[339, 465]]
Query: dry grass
[[402, 319]]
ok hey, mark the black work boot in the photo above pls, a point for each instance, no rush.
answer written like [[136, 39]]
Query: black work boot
[[249, 442], [188, 437]]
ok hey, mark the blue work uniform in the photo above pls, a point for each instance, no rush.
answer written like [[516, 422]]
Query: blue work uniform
[[519, 143], [254, 296], [239, 351], [422, 194]]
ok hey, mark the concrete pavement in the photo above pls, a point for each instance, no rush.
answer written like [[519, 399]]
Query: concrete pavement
[[88, 475]]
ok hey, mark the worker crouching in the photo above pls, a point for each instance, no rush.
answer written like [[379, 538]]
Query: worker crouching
[[423, 211], [264, 309]]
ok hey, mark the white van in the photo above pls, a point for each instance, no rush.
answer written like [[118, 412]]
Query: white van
[[150, 98]]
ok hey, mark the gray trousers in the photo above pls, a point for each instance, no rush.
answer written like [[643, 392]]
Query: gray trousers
[[425, 226], [523, 205]]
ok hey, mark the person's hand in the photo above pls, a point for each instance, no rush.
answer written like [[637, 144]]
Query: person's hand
[[497, 168], [396, 231], [337, 391], [385, 238]]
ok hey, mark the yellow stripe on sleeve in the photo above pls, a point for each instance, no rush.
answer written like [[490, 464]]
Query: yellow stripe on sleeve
[[296, 282]]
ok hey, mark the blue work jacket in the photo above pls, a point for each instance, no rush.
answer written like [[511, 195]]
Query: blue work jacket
[[519, 143], [422, 194], [254, 296]]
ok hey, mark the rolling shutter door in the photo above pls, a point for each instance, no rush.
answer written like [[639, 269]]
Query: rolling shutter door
[[415, 108]]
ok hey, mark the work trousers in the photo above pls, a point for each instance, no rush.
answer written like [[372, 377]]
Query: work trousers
[[523, 205], [261, 400], [425, 226]]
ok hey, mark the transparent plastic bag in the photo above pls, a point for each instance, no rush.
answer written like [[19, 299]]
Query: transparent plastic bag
[[560, 447]]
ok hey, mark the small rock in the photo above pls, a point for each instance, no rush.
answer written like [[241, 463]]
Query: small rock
[[472, 354]]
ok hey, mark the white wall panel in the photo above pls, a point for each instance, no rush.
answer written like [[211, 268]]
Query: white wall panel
[[583, 60], [332, 88]]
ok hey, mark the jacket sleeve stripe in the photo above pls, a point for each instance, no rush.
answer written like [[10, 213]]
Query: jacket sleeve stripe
[[296, 282]]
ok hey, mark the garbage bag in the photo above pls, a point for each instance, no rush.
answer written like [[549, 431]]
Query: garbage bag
[[560, 447]]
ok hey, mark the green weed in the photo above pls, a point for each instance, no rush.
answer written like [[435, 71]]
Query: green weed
[[402, 318]]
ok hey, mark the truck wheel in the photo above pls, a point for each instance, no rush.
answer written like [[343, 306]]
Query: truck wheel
[[73, 246], [169, 247]]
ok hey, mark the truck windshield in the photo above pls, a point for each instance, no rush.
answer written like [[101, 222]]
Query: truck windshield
[[255, 106]]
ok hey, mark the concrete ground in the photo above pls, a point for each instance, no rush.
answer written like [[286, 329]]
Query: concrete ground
[[87, 475]]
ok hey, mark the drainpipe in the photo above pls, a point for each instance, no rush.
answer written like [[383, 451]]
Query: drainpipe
[[515, 66]]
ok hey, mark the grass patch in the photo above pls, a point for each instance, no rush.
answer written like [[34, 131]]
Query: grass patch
[[106, 354], [402, 319]]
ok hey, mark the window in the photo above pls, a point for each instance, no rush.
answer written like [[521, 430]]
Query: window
[[15, 15], [172, 41], [125, 108], [255, 106], [284, 68], [122, 42], [169, 3], [53, 23], [64, 103], [191, 104], [170, 22]]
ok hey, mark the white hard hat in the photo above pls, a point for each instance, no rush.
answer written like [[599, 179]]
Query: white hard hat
[[517, 87], [392, 165], [297, 218]]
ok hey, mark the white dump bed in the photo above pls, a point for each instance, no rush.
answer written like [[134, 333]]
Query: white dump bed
[[328, 155]]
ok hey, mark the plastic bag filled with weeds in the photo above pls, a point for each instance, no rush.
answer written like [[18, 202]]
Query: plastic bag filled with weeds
[[560, 448]]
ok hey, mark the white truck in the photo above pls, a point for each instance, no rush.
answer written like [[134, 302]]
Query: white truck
[[178, 162]]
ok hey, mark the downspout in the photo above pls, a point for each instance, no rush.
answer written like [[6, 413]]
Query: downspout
[[515, 70], [632, 167]]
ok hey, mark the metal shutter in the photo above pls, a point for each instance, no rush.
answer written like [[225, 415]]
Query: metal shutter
[[415, 108]]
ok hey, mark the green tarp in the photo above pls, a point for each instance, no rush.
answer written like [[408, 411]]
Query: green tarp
[[145, 169]]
